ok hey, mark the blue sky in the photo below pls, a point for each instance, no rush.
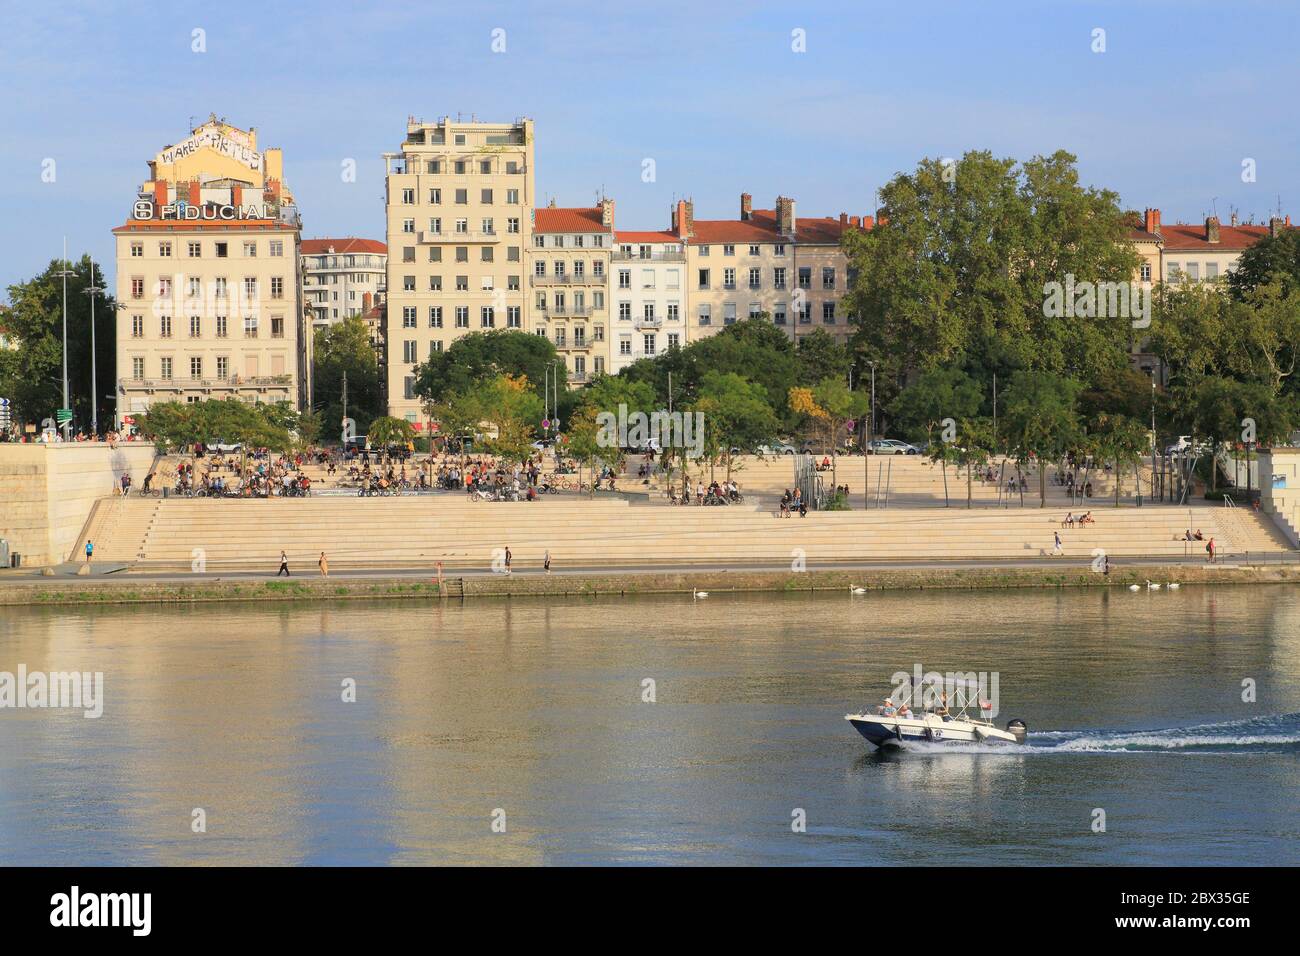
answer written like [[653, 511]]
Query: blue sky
[[712, 91]]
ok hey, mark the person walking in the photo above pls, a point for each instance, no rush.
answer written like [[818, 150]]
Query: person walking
[[90, 550], [1057, 548], [126, 484], [324, 566], [546, 563], [284, 565], [1209, 550], [508, 557]]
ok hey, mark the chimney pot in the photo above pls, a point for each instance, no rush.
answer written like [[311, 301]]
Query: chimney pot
[[785, 218], [1212, 229], [746, 206], [1275, 227]]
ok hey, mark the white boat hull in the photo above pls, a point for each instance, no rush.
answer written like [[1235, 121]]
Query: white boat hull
[[886, 731]]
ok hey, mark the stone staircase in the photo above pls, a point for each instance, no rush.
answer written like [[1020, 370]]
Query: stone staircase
[[610, 532]]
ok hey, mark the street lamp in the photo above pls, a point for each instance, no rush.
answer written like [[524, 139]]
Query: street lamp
[[93, 290], [63, 274], [871, 434]]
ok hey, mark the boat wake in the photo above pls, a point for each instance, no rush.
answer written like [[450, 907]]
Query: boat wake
[[1279, 733]]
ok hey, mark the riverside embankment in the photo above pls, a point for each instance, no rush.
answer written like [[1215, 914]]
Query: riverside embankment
[[128, 589]]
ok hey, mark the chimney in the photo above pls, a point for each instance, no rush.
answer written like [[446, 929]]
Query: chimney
[[160, 192], [746, 206], [1233, 219], [868, 222], [684, 219], [844, 220], [1152, 221], [607, 213], [1275, 227], [855, 222], [236, 195], [1212, 229], [366, 302], [785, 216], [195, 195]]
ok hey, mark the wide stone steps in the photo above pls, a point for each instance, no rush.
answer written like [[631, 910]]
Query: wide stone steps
[[420, 530]]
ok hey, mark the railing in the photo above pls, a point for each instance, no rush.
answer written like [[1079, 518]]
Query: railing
[[578, 311], [652, 257], [232, 381], [537, 280]]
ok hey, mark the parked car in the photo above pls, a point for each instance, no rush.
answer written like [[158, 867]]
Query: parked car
[[775, 448], [1184, 447], [891, 446]]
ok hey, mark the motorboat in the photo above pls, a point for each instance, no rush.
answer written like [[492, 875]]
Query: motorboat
[[936, 719]]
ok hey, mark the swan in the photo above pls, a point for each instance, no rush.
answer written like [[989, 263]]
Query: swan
[[699, 594], [1152, 587], [1173, 585], [1134, 587], [853, 590]]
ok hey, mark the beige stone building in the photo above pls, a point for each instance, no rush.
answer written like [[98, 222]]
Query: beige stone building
[[208, 280], [568, 277], [766, 261], [459, 217], [648, 296], [342, 277]]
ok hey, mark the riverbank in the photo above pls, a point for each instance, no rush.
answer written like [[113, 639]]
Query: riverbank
[[126, 590]]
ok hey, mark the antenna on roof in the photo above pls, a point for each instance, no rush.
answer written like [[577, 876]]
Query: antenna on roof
[[1214, 206]]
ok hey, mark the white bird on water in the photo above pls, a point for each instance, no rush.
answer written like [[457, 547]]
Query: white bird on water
[[1174, 585], [853, 590], [1152, 587], [699, 594], [1134, 587]]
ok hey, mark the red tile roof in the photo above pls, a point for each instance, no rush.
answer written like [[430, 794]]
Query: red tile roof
[[313, 247], [761, 227], [557, 219], [623, 236], [1181, 236]]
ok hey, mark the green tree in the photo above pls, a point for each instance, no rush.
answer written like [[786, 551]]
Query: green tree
[[818, 356], [387, 430], [736, 414], [225, 421], [344, 348], [1272, 259], [958, 269], [1040, 420], [481, 356], [936, 394], [33, 377]]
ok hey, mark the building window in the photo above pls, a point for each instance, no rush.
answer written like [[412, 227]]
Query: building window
[[408, 197], [223, 368], [755, 310], [728, 278], [194, 250], [828, 313], [221, 250], [165, 368], [705, 314], [250, 250], [728, 250], [625, 310], [221, 326], [137, 250], [277, 326], [625, 278], [462, 197], [196, 326], [408, 316], [277, 287], [137, 287], [276, 249], [409, 355], [805, 277], [755, 278], [674, 340], [137, 368], [435, 316], [462, 317], [165, 250], [250, 326], [513, 320], [137, 326], [828, 277], [196, 366], [729, 313], [165, 326]]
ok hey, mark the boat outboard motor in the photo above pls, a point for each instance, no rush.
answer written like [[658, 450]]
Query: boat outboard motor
[[1016, 728]]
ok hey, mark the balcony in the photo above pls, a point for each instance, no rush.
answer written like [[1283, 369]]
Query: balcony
[[185, 384], [536, 280], [426, 237], [576, 311], [652, 257], [644, 323]]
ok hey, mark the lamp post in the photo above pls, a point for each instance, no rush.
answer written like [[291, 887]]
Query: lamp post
[[92, 291], [871, 434], [64, 273]]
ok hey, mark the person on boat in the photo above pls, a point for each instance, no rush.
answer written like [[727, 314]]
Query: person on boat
[[942, 709], [888, 710]]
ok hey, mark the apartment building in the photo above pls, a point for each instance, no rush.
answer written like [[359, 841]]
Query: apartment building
[[208, 278], [767, 261], [568, 276], [648, 296], [459, 212], [342, 277]]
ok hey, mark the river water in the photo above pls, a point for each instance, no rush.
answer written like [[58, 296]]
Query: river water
[[520, 732]]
